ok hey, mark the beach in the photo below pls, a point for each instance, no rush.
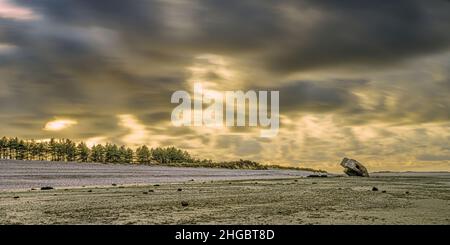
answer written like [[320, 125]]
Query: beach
[[402, 198]]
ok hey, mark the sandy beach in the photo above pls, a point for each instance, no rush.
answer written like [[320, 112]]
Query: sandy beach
[[399, 199]]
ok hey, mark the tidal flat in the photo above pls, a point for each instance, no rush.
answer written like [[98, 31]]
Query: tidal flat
[[381, 199]]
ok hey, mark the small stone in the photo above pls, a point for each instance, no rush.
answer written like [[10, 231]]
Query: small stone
[[151, 191], [46, 188], [383, 191], [113, 184], [407, 192], [374, 189], [179, 189], [89, 191], [184, 204], [16, 197], [156, 185], [145, 193]]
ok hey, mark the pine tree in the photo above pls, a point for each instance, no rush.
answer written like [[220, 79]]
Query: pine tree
[[129, 156], [21, 150], [82, 152], [3, 148], [70, 150], [143, 155], [98, 153], [112, 153], [13, 144]]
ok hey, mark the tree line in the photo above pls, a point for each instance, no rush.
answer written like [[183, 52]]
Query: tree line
[[68, 150]]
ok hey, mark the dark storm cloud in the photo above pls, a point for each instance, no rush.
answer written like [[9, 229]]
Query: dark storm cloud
[[365, 33], [285, 35], [58, 61], [319, 96]]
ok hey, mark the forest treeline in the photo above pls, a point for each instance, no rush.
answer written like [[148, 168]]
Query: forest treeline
[[70, 151]]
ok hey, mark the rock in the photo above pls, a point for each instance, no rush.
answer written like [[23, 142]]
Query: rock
[[16, 197], [317, 176], [151, 191], [89, 191], [46, 188], [383, 191], [179, 189], [354, 168], [374, 189], [145, 193], [184, 204], [114, 184]]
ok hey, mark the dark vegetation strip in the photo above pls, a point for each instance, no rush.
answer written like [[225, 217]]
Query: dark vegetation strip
[[67, 150]]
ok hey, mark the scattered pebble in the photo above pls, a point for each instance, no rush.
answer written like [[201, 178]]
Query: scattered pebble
[[151, 191], [383, 191], [156, 185], [407, 192], [33, 189], [192, 180], [16, 197], [145, 193], [374, 189], [46, 188], [89, 191], [179, 189], [114, 184], [184, 203]]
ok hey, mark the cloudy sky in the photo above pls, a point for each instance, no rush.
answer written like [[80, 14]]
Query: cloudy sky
[[368, 80]]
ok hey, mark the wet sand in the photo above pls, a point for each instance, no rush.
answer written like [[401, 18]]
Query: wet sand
[[418, 199], [35, 174]]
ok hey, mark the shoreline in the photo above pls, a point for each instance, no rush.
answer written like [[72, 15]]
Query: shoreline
[[27, 175]]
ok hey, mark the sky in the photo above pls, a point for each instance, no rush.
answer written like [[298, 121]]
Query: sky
[[369, 80]]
